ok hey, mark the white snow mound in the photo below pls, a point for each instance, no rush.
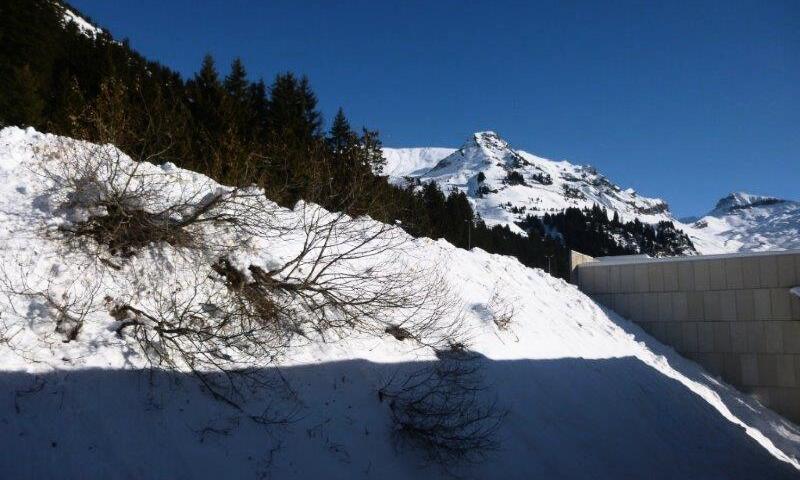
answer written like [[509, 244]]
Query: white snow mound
[[587, 393]]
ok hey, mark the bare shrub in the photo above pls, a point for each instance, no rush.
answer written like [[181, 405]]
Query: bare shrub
[[441, 410], [193, 321], [347, 276], [124, 205], [501, 310]]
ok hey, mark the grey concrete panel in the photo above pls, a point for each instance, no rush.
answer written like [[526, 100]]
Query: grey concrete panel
[[749, 370], [705, 337], [680, 306], [727, 300], [650, 307], [614, 280], [722, 337], [768, 370], [696, 312], [627, 278], [738, 337], [781, 306], [674, 335], [791, 337], [665, 307], [659, 331], [762, 304], [636, 306], [641, 284], [701, 278], [690, 336], [773, 332], [716, 274], [608, 301], [734, 275], [670, 277], [786, 271], [685, 276], [603, 299], [711, 306], [797, 372], [794, 301], [586, 279], [713, 362], [621, 305], [732, 368], [786, 373], [768, 271], [797, 267], [745, 306], [655, 276], [750, 275], [784, 400], [756, 339], [601, 284]]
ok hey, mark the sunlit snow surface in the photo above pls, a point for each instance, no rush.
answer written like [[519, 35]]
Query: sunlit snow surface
[[588, 394]]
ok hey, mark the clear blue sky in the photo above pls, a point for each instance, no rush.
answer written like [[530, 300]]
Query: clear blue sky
[[683, 100]]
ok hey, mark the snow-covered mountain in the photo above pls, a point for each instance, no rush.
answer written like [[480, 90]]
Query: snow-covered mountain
[[746, 222], [505, 184], [88, 392]]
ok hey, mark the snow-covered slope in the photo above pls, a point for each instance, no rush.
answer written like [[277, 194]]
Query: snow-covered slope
[[753, 223], [402, 162], [587, 394]]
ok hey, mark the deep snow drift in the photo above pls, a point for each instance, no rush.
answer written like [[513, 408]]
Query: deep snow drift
[[552, 186], [586, 393]]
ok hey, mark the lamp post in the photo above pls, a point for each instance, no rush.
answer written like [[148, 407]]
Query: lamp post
[[469, 234]]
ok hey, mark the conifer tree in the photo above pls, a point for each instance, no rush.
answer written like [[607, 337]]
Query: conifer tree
[[372, 151], [341, 137], [236, 81], [207, 96], [292, 110], [22, 104]]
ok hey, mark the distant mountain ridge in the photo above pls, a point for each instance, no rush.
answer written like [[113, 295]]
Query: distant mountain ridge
[[747, 222], [505, 185]]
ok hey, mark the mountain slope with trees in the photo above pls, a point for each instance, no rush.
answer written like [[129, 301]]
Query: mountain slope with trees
[[57, 78]]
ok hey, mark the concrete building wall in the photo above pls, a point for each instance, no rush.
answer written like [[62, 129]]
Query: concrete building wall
[[733, 314]]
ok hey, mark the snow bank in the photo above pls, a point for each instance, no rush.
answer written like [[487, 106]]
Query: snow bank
[[588, 394]]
